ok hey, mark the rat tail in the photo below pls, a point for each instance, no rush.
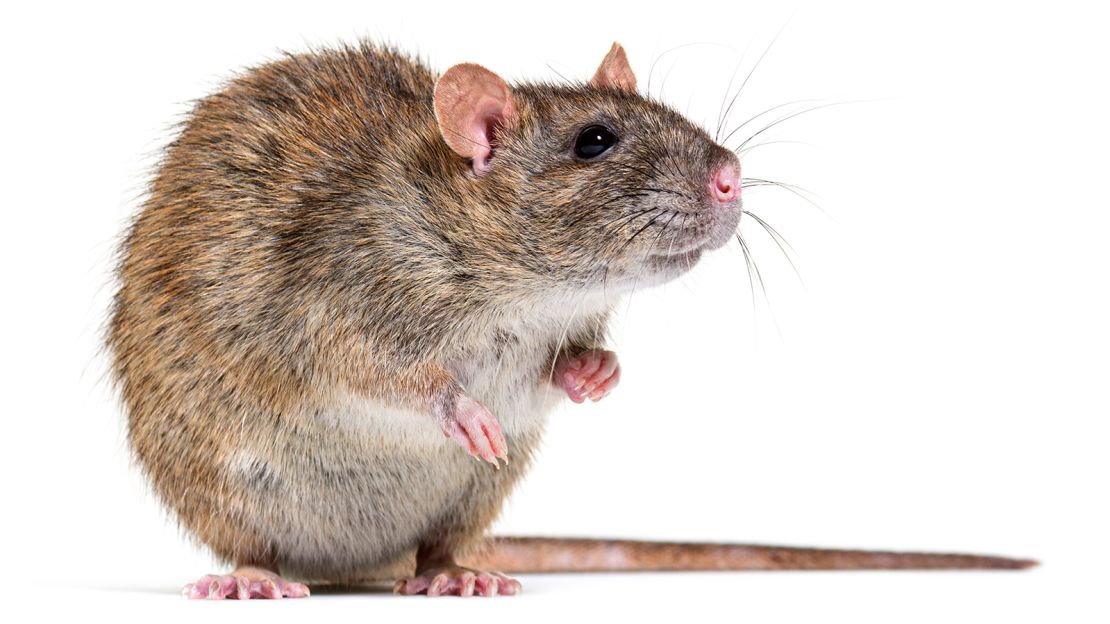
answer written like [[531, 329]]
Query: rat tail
[[541, 554]]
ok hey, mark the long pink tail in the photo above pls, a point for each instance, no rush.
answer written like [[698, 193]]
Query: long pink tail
[[541, 554]]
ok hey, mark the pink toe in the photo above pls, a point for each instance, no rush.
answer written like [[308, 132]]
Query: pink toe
[[468, 581], [588, 368], [229, 587], [487, 584], [294, 590], [265, 589], [414, 586], [439, 584], [242, 588], [508, 586], [198, 590]]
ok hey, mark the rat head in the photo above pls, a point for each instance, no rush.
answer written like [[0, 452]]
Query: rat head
[[597, 186]]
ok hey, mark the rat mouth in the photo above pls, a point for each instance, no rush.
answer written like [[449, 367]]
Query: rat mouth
[[697, 233], [690, 243], [698, 237]]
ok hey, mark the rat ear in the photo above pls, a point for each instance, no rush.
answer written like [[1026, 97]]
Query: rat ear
[[615, 72], [471, 102]]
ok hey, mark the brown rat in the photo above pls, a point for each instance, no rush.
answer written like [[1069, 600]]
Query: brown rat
[[351, 278]]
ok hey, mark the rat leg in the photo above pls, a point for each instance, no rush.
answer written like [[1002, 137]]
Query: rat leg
[[437, 574], [431, 387], [590, 374], [244, 583], [469, 423]]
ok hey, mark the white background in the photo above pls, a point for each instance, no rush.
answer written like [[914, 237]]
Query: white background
[[937, 378]]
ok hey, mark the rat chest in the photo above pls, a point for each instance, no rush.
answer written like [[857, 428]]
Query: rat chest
[[509, 374]]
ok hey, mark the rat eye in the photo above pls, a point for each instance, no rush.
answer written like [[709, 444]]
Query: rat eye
[[593, 141]]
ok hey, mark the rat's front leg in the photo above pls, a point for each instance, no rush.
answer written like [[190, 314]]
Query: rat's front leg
[[591, 374], [431, 388], [466, 421]]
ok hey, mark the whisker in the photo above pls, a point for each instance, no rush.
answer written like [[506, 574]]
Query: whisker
[[643, 259], [662, 231], [663, 190], [651, 70], [655, 168], [754, 275], [782, 243], [629, 218], [728, 89], [586, 213], [557, 73], [792, 116], [765, 143], [674, 238], [629, 167], [765, 112], [769, 182], [728, 110], [638, 232], [796, 190]]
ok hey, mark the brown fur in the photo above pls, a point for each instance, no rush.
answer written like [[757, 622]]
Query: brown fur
[[312, 253]]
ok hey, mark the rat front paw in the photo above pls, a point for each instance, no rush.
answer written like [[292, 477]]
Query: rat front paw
[[471, 425], [591, 374]]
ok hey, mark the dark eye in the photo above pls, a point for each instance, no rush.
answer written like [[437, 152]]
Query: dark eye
[[594, 141]]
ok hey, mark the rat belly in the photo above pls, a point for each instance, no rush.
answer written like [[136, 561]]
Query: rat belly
[[360, 486]]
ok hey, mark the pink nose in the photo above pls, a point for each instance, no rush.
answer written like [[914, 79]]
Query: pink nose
[[725, 185]]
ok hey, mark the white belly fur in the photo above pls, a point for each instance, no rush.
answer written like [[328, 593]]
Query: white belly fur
[[362, 483]]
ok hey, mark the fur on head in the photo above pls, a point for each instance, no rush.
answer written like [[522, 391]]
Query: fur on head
[[617, 190]]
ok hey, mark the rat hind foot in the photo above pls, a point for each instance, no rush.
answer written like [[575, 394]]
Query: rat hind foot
[[457, 581], [244, 583]]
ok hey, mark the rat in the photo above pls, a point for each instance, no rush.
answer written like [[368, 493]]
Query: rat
[[356, 288]]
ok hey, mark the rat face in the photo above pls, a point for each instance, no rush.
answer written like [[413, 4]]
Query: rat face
[[613, 189]]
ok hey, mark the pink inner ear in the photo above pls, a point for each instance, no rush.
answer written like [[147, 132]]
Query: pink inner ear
[[481, 128], [470, 103]]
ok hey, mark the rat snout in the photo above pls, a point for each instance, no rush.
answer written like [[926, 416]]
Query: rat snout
[[722, 210], [724, 186]]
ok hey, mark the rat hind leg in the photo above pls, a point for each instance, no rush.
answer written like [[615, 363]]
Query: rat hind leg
[[243, 583], [437, 571], [437, 574], [219, 523]]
